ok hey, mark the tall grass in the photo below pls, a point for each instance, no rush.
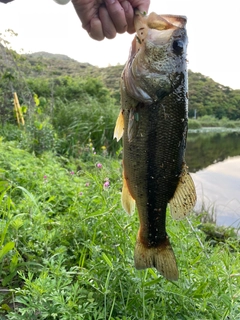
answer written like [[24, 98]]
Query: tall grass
[[74, 247]]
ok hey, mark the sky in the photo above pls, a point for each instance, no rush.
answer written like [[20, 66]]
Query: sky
[[213, 32]]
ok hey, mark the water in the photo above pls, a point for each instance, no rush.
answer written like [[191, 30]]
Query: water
[[213, 159]]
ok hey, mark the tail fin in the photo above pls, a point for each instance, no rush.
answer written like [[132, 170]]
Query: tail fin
[[161, 257]]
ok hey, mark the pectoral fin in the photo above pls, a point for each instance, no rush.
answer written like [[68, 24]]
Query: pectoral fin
[[118, 131], [128, 202], [133, 124], [184, 197]]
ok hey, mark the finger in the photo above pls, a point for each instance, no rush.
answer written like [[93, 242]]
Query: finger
[[117, 15], [86, 11], [95, 29], [82, 13], [141, 5], [109, 30], [129, 15]]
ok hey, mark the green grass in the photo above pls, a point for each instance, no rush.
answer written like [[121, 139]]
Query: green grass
[[66, 249]]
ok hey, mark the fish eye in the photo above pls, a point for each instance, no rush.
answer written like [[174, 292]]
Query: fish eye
[[178, 46]]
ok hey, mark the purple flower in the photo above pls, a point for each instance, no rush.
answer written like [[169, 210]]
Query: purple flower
[[99, 165], [72, 172], [44, 177], [87, 184], [80, 193], [106, 184]]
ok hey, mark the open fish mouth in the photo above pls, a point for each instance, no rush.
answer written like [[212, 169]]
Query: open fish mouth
[[156, 55], [159, 23]]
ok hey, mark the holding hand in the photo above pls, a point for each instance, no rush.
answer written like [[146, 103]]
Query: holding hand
[[106, 18]]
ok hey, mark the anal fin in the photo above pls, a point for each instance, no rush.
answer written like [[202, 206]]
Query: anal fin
[[184, 197], [128, 202]]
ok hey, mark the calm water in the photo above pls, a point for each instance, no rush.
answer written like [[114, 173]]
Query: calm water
[[214, 160]]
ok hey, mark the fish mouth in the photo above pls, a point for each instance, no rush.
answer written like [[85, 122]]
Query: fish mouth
[[159, 22], [149, 27], [152, 61]]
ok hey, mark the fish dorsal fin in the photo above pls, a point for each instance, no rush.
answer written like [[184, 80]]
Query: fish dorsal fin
[[184, 197], [128, 202], [118, 131]]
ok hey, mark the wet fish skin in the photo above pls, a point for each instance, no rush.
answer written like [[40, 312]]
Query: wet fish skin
[[153, 122]]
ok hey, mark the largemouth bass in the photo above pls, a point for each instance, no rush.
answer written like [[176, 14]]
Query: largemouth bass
[[153, 123]]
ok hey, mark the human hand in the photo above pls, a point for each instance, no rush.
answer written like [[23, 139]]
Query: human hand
[[106, 18]]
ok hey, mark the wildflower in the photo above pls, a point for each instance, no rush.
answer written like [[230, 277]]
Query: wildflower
[[80, 193], [99, 165], [87, 184], [103, 148], [44, 177], [106, 184], [72, 172]]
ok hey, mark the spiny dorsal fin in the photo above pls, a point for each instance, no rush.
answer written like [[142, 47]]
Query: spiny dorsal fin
[[128, 202], [118, 131], [184, 197]]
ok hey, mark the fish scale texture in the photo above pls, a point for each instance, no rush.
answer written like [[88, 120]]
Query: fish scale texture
[[153, 161]]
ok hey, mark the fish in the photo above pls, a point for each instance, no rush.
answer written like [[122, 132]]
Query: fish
[[153, 123]]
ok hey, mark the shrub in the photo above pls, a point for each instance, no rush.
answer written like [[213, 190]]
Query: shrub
[[209, 121], [194, 124], [77, 122]]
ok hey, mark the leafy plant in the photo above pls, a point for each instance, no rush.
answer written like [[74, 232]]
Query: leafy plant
[[74, 247]]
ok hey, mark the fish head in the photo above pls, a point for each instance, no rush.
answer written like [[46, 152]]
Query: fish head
[[157, 60]]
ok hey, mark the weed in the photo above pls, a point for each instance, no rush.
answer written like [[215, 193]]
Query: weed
[[67, 249]]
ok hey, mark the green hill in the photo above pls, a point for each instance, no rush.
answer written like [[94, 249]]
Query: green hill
[[206, 97]]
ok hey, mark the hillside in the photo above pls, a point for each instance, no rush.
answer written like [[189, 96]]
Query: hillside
[[48, 65], [207, 97], [45, 64]]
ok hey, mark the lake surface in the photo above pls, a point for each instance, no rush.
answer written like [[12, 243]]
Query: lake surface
[[213, 159]]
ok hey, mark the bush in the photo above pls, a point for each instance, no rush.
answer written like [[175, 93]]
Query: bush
[[209, 121], [11, 132], [87, 119], [39, 137], [194, 124]]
